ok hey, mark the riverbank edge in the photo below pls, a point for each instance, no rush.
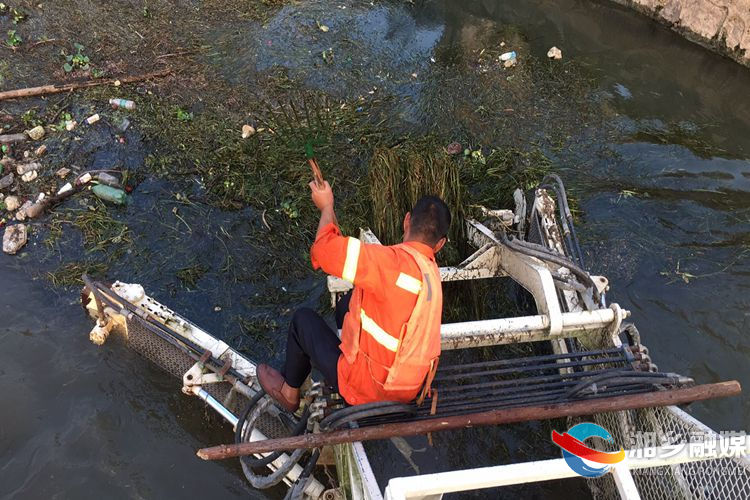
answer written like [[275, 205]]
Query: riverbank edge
[[722, 26]]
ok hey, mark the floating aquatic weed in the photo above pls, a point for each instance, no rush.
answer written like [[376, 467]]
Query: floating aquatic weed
[[69, 274], [190, 275], [400, 175]]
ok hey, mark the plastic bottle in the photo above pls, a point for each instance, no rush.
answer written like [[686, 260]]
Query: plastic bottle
[[108, 193], [109, 180], [122, 103]]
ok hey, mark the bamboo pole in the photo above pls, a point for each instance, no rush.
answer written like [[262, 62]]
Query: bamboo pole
[[493, 417], [56, 89]]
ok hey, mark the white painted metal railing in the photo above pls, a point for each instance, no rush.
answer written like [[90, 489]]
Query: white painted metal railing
[[433, 486]]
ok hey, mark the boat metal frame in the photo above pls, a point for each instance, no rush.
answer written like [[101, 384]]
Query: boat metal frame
[[562, 313]]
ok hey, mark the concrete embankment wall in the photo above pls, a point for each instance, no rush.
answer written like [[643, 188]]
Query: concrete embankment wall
[[722, 25]]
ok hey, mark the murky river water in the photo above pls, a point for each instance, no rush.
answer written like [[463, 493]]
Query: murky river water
[[666, 216]]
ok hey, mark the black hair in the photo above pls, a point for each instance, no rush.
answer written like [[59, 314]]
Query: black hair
[[430, 219]]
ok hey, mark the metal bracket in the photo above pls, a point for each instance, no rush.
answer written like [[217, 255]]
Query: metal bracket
[[197, 376], [529, 272]]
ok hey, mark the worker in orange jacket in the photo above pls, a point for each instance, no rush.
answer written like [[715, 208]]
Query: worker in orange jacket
[[390, 321]]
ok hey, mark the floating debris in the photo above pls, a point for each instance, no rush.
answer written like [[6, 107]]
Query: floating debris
[[40, 151], [109, 180], [554, 53], [70, 125], [62, 173], [623, 91], [93, 119], [12, 203], [29, 176], [122, 103], [35, 210], [124, 124], [7, 181], [36, 133], [66, 188], [21, 214], [84, 179], [247, 131], [453, 148], [507, 56], [27, 167], [14, 238], [109, 193], [11, 138]]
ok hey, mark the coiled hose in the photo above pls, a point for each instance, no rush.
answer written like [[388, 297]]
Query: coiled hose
[[337, 420], [297, 490], [543, 253], [245, 426]]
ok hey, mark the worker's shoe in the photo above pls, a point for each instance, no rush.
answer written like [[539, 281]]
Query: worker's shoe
[[272, 382]]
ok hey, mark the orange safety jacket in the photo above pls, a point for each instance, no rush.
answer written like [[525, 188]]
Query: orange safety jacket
[[390, 339]]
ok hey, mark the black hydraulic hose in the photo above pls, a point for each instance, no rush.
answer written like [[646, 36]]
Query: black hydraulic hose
[[297, 491], [266, 481], [646, 377], [519, 361], [542, 253], [565, 213], [348, 410], [619, 382], [515, 389], [541, 367], [570, 248], [336, 420], [553, 397], [240, 433], [527, 380]]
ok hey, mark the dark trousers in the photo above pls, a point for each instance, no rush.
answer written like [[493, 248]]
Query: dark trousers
[[312, 343]]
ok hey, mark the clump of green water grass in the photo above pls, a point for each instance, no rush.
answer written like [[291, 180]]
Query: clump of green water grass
[[491, 182], [400, 175], [99, 229], [190, 275], [69, 274]]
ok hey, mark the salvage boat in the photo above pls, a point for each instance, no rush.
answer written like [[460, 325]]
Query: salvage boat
[[593, 369]]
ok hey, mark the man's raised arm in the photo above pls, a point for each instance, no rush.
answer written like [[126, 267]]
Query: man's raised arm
[[322, 196]]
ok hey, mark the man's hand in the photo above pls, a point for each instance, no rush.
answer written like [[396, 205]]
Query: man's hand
[[322, 196]]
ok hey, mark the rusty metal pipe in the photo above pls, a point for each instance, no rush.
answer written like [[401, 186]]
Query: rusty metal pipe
[[493, 417]]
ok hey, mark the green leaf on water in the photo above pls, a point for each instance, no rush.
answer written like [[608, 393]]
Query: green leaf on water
[[67, 67]]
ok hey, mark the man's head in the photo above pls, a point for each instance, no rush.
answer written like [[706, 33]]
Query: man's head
[[428, 222]]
